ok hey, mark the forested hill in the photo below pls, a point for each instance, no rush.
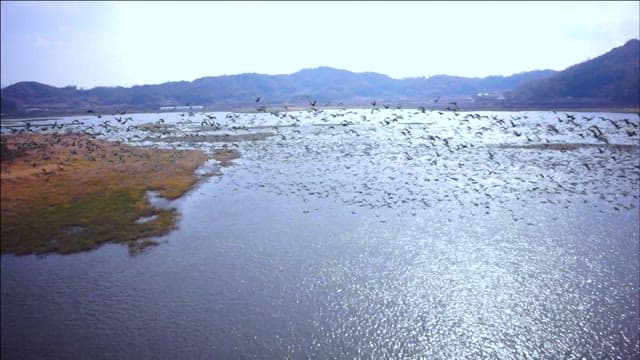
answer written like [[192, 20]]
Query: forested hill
[[610, 79], [327, 86]]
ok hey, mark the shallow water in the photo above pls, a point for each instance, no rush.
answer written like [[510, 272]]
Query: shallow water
[[425, 235]]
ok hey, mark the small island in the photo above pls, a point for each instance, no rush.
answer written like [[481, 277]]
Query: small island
[[66, 193]]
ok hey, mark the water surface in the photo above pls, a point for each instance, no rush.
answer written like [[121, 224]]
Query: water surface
[[362, 234]]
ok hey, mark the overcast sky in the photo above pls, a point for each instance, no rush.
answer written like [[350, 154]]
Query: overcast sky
[[121, 43]]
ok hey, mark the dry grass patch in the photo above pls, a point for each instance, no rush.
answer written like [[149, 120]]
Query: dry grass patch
[[70, 193]]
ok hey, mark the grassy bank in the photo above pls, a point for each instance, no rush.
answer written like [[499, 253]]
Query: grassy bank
[[70, 193]]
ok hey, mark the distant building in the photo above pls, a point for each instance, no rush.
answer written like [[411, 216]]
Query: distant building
[[488, 97]]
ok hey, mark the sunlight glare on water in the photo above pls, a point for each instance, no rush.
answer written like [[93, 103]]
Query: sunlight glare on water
[[362, 234]]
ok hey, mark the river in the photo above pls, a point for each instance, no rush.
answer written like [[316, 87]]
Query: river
[[361, 234]]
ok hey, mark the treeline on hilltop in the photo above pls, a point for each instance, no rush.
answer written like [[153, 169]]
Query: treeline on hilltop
[[612, 79]]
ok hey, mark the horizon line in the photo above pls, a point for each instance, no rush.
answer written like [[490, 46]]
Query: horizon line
[[280, 74], [2, 87]]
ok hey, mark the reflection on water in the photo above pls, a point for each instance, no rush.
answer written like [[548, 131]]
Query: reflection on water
[[363, 234]]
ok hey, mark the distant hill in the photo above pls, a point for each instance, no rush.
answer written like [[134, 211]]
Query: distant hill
[[610, 79], [328, 86]]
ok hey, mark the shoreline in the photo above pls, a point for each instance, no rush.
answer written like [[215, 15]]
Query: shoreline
[[72, 193], [294, 108]]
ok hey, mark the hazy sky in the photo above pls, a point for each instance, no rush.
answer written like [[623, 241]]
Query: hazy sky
[[122, 43]]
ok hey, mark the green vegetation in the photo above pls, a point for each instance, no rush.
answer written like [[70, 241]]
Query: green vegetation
[[610, 79], [69, 203], [326, 85]]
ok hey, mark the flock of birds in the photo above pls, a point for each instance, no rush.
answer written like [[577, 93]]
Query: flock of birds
[[471, 163], [387, 157]]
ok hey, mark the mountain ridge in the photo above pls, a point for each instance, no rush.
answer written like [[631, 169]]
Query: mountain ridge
[[609, 79], [324, 84], [613, 77]]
